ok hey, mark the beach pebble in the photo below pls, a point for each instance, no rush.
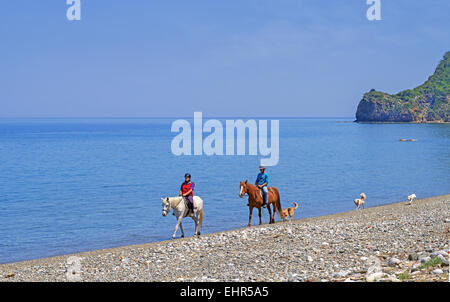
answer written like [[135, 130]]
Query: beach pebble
[[415, 267], [10, 275], [374, 269], [437, 271], [393, 279], [425, 259], [375, 276], [444, 260], [393, 261], [434, 254], [340, 274]]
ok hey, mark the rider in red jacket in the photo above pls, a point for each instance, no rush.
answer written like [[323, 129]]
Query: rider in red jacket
[[187, 190]]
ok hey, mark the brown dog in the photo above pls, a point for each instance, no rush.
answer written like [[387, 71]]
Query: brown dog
[[289, 212]]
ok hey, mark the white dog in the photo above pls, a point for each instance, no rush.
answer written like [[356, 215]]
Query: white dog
[[411, 198], [360, 201]]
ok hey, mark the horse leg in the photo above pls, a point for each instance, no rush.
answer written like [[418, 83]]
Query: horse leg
[[259, 213], [181, 229], [176, 227], [270, 213], [274, 210], [196, 225], [250, 216]]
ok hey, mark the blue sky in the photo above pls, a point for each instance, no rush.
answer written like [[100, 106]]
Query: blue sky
[[226, 58]]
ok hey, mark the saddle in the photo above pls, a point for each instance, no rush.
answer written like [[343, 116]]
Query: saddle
[[269, 189]]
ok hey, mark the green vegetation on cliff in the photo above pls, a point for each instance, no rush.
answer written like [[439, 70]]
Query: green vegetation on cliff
[[429, 102]]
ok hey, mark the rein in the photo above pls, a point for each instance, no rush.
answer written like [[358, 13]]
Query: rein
[[253, 191], [176, 205], [186, 210]]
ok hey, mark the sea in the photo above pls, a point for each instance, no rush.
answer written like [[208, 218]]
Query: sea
[[69, 185]]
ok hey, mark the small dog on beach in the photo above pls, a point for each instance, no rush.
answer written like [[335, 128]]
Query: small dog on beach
[[411, 198], [360, 201], [289, 212]]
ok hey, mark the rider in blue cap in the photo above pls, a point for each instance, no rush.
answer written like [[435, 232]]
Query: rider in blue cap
[[262, 181]]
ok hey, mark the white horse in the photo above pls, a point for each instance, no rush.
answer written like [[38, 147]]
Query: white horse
[[180, 210]]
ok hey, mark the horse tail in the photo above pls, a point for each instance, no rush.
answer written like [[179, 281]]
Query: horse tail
[[278, 208], [277, 202], [296, 205]]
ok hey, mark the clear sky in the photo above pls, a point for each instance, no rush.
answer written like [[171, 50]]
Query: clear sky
[[226, 58]]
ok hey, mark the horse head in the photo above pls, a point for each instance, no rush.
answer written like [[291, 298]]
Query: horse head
[[243, 188], [165, 205]]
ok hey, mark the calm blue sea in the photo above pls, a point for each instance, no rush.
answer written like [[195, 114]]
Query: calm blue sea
[[71, 185]]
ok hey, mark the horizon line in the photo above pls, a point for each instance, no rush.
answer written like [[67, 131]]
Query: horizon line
[[173, 117]]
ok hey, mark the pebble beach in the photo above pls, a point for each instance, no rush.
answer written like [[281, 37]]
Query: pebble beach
[[395, 243]]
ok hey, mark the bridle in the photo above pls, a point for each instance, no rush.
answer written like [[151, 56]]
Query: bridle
[[167, 206], [243, 190]]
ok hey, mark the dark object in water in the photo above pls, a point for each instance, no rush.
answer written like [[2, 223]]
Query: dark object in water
[[408, 140]]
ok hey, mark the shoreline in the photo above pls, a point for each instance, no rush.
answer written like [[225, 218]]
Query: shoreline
[[244, 227], [413, 122], [112, 264]]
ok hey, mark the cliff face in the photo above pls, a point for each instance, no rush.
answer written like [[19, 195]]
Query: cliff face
[[429, 102]]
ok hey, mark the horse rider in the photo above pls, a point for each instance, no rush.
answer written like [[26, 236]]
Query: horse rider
[[187, 191], [262, 181]]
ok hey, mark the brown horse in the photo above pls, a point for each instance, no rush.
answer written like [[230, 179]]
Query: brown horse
[[255, 201]]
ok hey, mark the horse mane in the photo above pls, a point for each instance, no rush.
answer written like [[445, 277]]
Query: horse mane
[[178, 202], [254, 191]]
